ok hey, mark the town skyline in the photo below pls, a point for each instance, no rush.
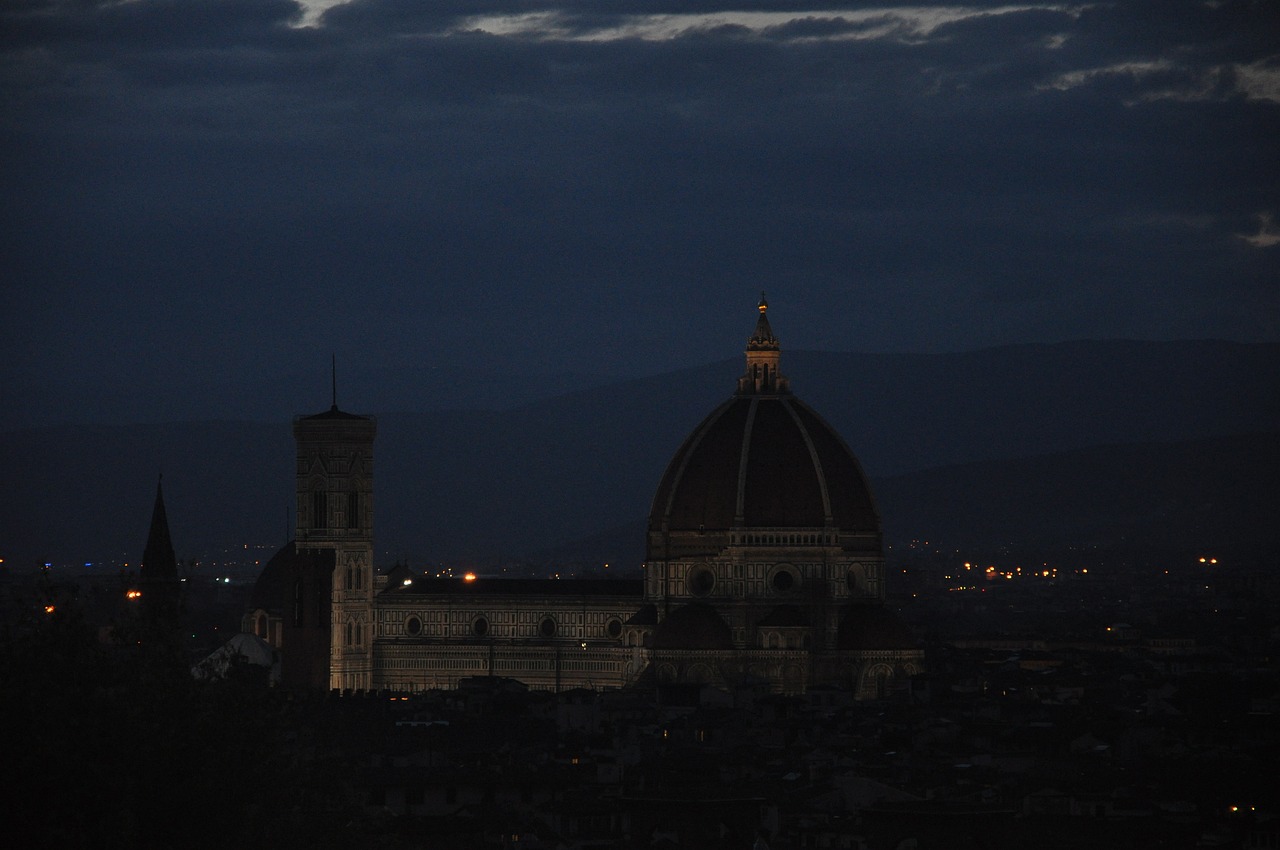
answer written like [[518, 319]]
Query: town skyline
[[1125, 426]]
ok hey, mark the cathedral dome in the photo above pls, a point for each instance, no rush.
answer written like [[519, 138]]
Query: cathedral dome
[[763, 463], [269, 590], [277, 578], [695, 626], [763, 460]]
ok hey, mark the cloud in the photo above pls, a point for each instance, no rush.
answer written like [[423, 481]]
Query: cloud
[[1162, 79], [906, 23], [1268, 234], [405, 178], [1259, 80]]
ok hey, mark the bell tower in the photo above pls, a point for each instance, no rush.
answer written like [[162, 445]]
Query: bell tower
[[334, 486]]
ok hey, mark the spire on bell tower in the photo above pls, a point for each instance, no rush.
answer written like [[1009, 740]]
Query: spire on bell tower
[[763, 353]]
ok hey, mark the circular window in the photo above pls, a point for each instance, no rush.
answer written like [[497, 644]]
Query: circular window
[[783, 581], [701, 581], [413, 626], [480, 627], [547, 628], [614, 627]]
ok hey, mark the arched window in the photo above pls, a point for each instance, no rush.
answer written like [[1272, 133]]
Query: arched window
[[319, 509], [353, 508], [298, 603]]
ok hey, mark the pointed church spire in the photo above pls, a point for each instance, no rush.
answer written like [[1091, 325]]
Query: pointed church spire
[[158, 575], [158, 559], [763, 353]]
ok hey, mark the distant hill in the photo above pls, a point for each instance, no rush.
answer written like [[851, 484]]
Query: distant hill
[[1209, 494], [456, 484]]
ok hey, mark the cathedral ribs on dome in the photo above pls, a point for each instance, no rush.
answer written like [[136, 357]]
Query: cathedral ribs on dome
[[764, 461], [764, 520]]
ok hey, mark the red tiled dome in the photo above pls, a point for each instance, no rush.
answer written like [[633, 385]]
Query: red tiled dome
[[695, 626], [764, 461]]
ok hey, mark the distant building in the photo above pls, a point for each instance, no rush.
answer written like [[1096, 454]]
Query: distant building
[[764, 562], [158, 582]]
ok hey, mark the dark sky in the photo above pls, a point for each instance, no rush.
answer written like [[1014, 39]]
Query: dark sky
[[200, 196]]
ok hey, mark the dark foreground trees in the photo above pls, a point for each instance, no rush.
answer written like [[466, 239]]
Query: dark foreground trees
[[116, 745]]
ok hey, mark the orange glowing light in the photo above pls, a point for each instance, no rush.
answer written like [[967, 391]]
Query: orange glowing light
[[133, 594], [49, 609], [469, 577]]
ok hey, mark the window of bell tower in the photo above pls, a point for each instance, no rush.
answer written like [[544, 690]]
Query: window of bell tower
[[319, 509]]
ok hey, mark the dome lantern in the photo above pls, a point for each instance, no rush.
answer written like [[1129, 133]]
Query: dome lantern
[[763, 353]]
